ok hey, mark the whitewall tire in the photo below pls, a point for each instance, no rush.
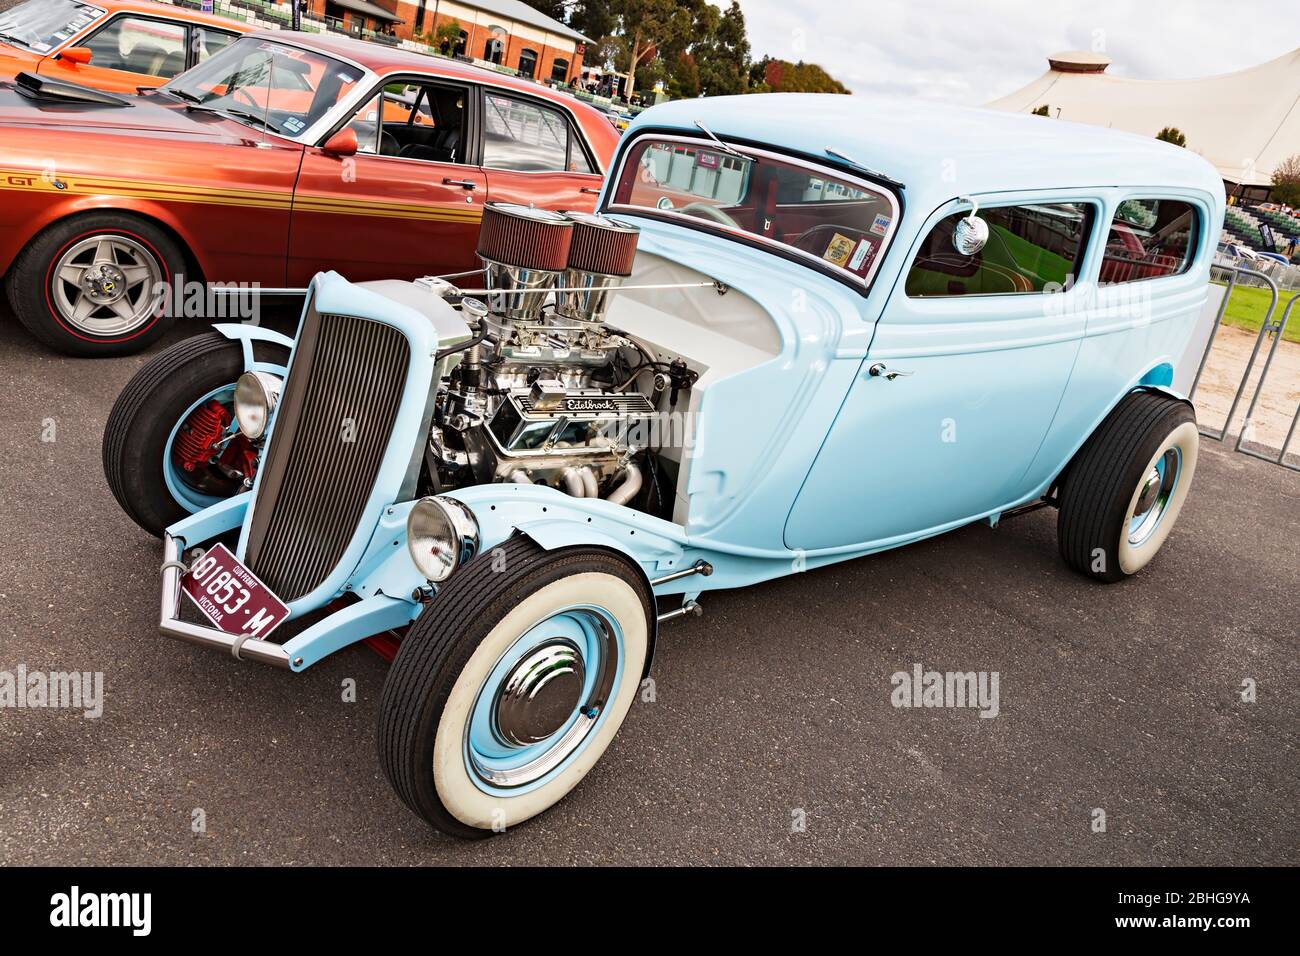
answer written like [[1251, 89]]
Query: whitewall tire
[[1127, 485], [512, 684]]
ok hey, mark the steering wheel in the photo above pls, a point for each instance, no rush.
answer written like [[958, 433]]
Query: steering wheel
[[248, 97], [703, 210]]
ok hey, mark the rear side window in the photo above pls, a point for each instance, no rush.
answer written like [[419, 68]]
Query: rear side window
[[524, 136], [1031, 248], [1149, 238]]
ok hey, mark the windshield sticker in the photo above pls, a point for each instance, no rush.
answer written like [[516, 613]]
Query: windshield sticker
[[294, 125], [345, 78], [40, 46], [862, 256], [708, 160], [881, 225], [838, 250]]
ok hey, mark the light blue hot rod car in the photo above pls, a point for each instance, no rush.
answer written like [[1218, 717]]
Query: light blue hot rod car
[[800, 330]]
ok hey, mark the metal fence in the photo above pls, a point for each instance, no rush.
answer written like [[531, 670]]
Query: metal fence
[[1272, 328]]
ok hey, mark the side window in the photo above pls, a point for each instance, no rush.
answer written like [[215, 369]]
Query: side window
[[208, 41], [524, 136], [578, 161], [139, 45], [1149, 238], [1031, 248], [366, 123]]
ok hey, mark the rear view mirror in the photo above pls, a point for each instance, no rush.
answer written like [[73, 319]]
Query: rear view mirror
[[342, 143], [76, 54], [971, 233]]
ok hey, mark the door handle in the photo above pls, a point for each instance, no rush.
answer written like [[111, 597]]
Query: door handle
[[463, 183], [589, 189], [881, 370]]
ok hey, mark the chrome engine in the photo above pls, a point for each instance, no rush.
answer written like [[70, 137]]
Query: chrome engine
[[541, 394]]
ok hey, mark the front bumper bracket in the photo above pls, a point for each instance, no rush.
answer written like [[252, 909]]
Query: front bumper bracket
[[241, 647]]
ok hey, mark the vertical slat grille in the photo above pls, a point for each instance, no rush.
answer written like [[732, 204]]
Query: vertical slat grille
[[331, 431]]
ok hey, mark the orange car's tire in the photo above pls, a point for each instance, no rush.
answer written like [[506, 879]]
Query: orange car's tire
[[89, 285]]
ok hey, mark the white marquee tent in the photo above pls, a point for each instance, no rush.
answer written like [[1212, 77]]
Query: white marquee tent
[[1245, 123]]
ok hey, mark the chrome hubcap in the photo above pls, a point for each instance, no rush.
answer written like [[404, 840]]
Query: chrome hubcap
[[105, 285], [540, 694], [543, 699], [1153, 497]]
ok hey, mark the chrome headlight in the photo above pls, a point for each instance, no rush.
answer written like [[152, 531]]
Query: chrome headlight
[[441, 534], [255, 396]]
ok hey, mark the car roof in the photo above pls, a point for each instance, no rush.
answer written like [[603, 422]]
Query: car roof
[[386, 59], [171, 11], [941, 150]]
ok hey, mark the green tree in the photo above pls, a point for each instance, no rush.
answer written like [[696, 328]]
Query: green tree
[[772, 75], [1286, 181], [720, 50], [1172, 134]]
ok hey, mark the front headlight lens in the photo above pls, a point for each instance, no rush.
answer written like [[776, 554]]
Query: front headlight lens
[[255, 396], [441, 534]]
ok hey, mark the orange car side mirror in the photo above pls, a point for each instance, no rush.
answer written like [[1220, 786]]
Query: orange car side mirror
[[76, 54], [342, 143]]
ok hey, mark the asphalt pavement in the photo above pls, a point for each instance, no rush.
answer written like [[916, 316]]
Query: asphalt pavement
[[771, 739]]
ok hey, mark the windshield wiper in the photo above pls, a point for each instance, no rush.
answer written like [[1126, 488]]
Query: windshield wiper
[[252, 118], [185, 95], [12, 39]]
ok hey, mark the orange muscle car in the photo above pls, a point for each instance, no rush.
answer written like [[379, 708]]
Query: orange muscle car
[[116, 45], [277, 157]]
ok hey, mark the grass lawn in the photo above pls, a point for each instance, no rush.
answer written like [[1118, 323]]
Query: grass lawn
[[1247, 306]]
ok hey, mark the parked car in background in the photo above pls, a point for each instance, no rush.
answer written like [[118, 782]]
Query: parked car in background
[[281, 155], [1272, 257], [823, 350], [1232, 253], [115, 45]]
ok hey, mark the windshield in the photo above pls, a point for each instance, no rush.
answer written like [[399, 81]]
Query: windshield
[[41, 25], [268, 84], [838, 224]]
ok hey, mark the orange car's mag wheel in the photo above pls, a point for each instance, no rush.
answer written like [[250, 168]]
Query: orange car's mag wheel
[[1125, 488], [512, 683], [94, 285], [170, 445]]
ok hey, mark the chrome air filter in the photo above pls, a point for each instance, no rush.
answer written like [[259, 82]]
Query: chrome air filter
[[600, 258], [524, 250], [602, 245]]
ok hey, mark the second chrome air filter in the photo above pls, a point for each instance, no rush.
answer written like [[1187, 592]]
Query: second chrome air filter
[[601, 256]]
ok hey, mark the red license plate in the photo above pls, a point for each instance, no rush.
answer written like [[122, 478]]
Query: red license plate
[[231, 596]]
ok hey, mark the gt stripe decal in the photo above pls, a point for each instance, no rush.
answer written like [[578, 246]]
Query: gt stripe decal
[[26, 180]]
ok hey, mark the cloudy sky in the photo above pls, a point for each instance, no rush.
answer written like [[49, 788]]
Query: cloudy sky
[[972, 51]]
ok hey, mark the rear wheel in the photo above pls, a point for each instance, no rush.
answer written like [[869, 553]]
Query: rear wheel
[[1127, 485], [512, 683], [89, 286], [170, 445]]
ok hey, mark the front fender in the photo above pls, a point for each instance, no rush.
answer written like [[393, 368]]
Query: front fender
[[246, 335], [555, 520]]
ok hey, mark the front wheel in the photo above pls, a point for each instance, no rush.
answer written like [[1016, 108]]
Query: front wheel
[[512, 683], [170, 446], [1125, 488], [94, 285]]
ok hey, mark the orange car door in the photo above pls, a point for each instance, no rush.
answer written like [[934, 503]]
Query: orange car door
[[532, 153], [401, 208], [127, 52]]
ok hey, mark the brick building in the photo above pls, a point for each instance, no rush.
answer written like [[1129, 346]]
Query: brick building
[[505, 32]]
